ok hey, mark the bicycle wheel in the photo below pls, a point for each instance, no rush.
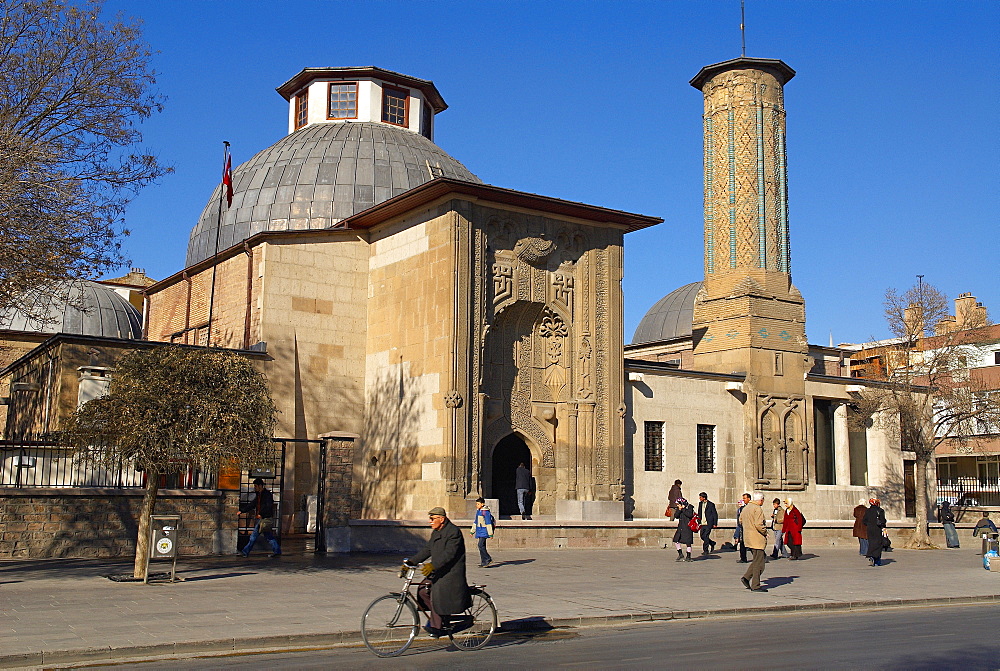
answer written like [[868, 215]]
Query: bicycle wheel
[[389, 625], [481, 619]]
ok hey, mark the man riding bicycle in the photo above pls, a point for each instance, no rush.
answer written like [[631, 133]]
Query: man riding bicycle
[[448, 591]]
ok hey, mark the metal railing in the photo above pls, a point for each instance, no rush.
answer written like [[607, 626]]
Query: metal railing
[[969, 491], [45, 464]]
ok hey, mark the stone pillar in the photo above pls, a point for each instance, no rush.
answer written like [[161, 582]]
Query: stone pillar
[[585, 451], [842, 445]]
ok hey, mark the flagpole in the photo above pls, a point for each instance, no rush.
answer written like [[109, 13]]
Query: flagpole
[[218, 232]]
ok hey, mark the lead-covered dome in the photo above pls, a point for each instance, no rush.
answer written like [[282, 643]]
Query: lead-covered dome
[[80, 307], [670, 317], [317, 176]]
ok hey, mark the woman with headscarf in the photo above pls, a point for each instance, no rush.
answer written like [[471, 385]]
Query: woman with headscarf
[[874, 520], [792, 526], [684, 535], [947, 519], [860, 530]]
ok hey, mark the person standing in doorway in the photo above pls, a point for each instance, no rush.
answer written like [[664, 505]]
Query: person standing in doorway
[[777, 524], [708, 516], [947, 519], [522, 483], [874, 522], [755, 538], [792, 526], [672, 496], [482, 528], [860, 530], [261, 509]]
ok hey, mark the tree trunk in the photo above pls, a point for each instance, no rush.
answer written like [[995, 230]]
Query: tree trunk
[[921, 539], [142, 542]]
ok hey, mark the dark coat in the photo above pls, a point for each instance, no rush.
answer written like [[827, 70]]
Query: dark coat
[[522, 478], [262, 505], [673, 495], [874, 523], [684, 535], [446, 550], [707, 514], [860, 530]]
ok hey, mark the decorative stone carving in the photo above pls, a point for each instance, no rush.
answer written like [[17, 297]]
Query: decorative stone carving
[[453, 399], [779, 443], [533, 250]]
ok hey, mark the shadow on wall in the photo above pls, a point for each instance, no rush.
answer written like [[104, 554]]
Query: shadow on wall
[[98, 528], [388, 452], [892, 492]]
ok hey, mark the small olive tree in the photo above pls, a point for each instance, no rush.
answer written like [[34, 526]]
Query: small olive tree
[[929, 394], [170, 405]]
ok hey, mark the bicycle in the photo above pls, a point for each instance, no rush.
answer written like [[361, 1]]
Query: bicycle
[[390, 622]]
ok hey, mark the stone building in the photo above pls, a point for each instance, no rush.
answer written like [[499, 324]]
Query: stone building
[[456, 328]]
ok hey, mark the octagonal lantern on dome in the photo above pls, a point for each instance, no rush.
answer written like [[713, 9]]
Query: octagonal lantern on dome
[[358, 136]]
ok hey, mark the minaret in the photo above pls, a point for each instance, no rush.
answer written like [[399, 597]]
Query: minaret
[[748, 317]]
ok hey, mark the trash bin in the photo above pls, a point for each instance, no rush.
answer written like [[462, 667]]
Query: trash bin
[[164, 536]]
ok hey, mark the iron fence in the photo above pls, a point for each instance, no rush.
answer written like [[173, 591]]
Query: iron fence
[[969, 491], [46, 464]]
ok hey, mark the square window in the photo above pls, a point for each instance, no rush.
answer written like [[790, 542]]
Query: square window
[[394, 106], [654, 446], [342, 101], [706, 448]]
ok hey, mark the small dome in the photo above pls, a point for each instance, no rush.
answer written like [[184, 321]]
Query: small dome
[[80, 307], [670, 317], [316, 177]]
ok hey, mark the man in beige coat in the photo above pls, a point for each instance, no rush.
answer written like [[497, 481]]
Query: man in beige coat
[[755, 538]]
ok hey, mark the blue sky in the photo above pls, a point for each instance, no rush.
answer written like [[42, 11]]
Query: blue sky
[[893, 126]]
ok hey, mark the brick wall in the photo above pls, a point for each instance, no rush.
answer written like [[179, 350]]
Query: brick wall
[[88, 522]]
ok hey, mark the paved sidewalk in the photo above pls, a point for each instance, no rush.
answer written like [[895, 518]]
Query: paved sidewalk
[[62, 611]]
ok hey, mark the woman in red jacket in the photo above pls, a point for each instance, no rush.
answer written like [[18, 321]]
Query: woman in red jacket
[[792, 526]]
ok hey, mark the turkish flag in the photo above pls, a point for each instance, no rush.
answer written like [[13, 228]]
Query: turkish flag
[[227, 180]]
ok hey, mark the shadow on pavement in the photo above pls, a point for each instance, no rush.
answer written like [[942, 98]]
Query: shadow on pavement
[[513, 562], [217, 576], [771, 583]]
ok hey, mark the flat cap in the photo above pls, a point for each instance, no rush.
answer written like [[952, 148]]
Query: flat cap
[[437, 511]]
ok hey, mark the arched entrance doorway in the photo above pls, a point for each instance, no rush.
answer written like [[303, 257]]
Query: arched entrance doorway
[[508, 453]]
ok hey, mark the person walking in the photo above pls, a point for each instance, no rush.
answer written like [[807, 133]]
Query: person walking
[[684, 536], [738, 533], [777, 522], [672, 496], [261, 508], [755, 538], [947, 519], [522, 483], [792, 526], [482, 528], [874, 523], [983, 527], [446, 591], [708, 517], [860, 530]]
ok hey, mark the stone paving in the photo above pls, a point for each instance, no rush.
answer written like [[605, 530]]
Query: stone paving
[[62, 610]]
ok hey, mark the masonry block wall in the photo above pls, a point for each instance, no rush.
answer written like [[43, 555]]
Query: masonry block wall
[[90, 522]]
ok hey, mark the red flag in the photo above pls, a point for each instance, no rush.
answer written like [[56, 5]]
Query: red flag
[[227, 180]]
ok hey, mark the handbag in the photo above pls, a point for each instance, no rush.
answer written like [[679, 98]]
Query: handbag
[[266, 524], [693, 523]]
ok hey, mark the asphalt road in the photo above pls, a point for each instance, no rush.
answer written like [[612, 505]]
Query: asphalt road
[[963, 637]]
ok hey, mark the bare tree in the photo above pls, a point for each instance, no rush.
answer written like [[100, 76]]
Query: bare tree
[[171, 405], [929, 394], [72, 93]]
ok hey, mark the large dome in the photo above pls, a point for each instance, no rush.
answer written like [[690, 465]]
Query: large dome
[[80, 307], [317, 176], [670, 317]]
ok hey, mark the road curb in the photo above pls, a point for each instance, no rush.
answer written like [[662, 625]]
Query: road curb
[[294, 641]]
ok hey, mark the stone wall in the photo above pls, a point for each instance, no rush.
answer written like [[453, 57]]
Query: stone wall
[[90, 522]]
